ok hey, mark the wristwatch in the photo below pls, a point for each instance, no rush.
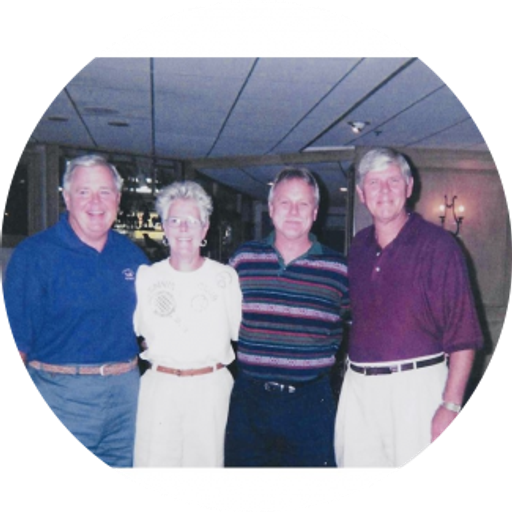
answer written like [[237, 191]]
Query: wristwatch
[[452, 407]]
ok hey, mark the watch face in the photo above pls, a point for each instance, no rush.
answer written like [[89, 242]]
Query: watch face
[[452, 407]]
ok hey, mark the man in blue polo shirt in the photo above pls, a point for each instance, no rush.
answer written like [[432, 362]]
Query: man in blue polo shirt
[[69, 293]]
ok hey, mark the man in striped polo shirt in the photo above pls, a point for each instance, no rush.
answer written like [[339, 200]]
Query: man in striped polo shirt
[[295, 292]]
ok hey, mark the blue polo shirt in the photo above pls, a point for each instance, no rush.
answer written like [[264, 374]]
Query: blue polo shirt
[[67, 303]]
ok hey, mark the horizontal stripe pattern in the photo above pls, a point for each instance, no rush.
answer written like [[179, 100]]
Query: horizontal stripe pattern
[[292, 315], [283, 362], [297, 312]]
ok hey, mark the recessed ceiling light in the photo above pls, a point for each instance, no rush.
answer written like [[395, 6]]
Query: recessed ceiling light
[[119, 124], [343, 189]]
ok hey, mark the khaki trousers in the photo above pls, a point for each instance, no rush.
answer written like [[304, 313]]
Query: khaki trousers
[[385, 420]]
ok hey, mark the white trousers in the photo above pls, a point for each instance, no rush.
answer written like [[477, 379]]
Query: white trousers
[[385, 420], [181, 421]]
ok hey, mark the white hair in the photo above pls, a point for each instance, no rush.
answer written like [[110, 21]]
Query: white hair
[[89, 161], [184, 190], [378, 159]]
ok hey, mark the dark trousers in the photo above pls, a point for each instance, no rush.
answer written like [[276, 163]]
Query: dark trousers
[[269, 427]]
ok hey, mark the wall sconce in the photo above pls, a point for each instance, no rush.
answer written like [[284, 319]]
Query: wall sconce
[[451, 206]]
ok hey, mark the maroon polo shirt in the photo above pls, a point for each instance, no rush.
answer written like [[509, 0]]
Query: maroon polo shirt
[[412, 298]]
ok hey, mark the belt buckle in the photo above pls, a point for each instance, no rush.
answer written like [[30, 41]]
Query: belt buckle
[[102, 370], [272, 386], [277, 386]]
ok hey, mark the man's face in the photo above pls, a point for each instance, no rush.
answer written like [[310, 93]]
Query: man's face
[[293, 209], [385, 192], [92, 201]]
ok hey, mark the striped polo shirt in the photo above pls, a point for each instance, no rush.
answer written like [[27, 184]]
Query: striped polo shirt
[[292, 314]]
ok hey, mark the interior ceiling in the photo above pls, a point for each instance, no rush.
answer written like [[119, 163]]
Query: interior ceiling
[[220, 108]]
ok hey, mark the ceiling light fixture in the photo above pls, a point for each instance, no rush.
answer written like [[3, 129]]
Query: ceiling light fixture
[[119, 124], [358, 126]]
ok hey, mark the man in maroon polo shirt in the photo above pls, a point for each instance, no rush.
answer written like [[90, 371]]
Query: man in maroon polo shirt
[[415, 328]]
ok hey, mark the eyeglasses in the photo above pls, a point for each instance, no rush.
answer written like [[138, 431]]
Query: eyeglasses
[[190, 222]]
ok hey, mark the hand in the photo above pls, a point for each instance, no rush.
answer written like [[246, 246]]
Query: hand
[[440, 422], [23, 356]]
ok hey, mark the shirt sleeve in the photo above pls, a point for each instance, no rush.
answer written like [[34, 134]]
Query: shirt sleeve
[[452, 301], [234, 304], [138, 313], [24, 297], [346, 311]]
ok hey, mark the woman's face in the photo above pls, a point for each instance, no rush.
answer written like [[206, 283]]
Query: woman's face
[[184, 229]]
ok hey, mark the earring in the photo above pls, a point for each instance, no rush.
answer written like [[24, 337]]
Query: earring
[[165, 242], [203, 243]]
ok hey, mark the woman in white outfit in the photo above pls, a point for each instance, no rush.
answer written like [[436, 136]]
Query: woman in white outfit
[[188, 311]]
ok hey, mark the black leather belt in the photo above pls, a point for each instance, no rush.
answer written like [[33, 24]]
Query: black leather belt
[[281, 387], [387, 370]]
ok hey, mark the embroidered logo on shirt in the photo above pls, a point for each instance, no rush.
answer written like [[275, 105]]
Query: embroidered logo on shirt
[[199, 303], [129, 274], [163, 303], [223, 279]]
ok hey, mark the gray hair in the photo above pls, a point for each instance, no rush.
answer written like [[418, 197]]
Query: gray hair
[[89, 161], [189, 190], [378, 159], [295, 173]]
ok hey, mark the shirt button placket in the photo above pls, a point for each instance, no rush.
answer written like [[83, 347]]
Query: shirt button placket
[[377, 268]]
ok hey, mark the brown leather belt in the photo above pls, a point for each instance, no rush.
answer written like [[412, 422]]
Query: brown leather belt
[[103, 370], [386, 370], [188, 373]]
